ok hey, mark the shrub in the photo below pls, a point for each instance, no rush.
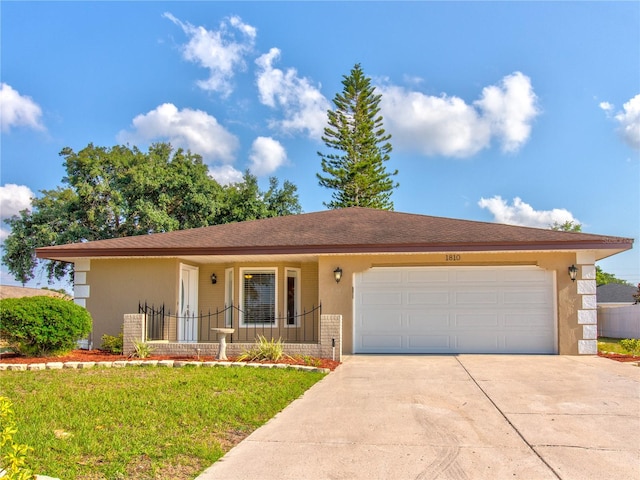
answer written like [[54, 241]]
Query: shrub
[[272, 350], [631, 345], [112, 344], [36, 326], [13, 456], [142, 350]]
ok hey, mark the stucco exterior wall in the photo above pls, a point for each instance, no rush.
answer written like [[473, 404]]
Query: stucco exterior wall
[[117, 285], [338, 297], [114, 288]]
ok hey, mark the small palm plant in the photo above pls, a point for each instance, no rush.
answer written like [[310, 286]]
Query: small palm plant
[[142, 350], [263, 349]]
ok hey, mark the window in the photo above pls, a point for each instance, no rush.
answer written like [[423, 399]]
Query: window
[[258, 296], [228, 295], [292, 300]]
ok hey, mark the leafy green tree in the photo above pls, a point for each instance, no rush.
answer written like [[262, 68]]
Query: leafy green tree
[[603, 278], [568, 226], [245, 200], [122, 191], [355, 171]]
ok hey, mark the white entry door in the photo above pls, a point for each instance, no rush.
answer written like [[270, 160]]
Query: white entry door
[[455, 310], [188, 304]]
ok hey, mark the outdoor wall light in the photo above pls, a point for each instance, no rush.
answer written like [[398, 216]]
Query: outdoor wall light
[[573, 272], [337, 274], [214, 279]]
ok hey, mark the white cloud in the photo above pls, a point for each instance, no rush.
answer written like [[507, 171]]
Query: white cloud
[[18, 110], [606, 106], [523, 214], [218, 51], [432, 125], [225, 174], [190, 129], [447, 125], [266, 156], [510, 108], [303, 106], [13, 199], [629, 121]]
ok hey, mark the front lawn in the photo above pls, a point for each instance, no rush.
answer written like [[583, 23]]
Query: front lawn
[[143, 422]]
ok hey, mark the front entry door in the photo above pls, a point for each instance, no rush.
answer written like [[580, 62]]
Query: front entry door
[[188, 304]]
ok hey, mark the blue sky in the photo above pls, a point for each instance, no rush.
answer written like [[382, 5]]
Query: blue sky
[[516, 112]]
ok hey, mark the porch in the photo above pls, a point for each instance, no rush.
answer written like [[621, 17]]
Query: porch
[[309, 333], [161, 325]]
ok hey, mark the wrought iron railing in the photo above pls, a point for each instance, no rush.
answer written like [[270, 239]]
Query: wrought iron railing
[[161, 324]]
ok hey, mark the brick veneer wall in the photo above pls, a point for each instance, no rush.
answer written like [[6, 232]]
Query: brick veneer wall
[[132, 331], [330, 335]]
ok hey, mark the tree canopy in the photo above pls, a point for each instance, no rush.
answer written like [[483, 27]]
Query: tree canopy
[[603, 278], [122, 191], [568, 226], [355, 171]]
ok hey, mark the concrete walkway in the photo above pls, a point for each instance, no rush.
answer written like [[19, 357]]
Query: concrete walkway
[[452, 417]]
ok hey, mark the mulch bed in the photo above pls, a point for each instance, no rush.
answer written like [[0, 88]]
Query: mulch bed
[[619, 357], [102, 356]]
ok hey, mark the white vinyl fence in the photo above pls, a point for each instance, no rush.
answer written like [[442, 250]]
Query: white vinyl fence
[[619, 322]]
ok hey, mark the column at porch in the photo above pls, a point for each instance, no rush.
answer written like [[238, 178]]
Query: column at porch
[[132, 331]]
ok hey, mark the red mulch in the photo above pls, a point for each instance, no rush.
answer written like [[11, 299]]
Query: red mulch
[[102, 356], [619, 357]]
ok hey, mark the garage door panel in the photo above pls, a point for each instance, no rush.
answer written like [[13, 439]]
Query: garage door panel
[[416, 321], [479, 343], [476, 321], [476, 276], [381, 321], [382, 342], [454, 310], [423, 298], [376, 277], [382, 298], [526, 276], [427, 276], [520, 320], [534, 297], [477, 298], [530, 343], [420, 342]]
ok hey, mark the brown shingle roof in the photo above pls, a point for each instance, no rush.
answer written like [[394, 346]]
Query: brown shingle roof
[[340, 231]]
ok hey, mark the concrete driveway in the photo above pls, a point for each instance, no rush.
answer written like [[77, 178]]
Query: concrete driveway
[[452, 417]]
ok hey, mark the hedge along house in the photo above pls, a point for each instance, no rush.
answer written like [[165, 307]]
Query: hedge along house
[[387, 282]]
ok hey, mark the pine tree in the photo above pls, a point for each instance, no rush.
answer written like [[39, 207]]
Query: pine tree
[[356, 171]]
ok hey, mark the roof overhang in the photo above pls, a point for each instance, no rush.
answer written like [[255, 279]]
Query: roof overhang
[[310, 253]]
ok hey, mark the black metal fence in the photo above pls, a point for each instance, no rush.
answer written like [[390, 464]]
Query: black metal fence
[[161, 324]]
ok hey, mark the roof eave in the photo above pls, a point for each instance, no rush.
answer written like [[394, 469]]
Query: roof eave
[[66, 252]]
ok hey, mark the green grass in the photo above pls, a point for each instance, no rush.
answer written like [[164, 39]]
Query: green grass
[[611, 345], [143, 422]]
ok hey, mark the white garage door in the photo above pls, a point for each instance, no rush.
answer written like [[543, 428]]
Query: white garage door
[[454, 310]]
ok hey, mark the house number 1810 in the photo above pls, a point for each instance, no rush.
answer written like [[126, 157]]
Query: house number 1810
[[452, 257]]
